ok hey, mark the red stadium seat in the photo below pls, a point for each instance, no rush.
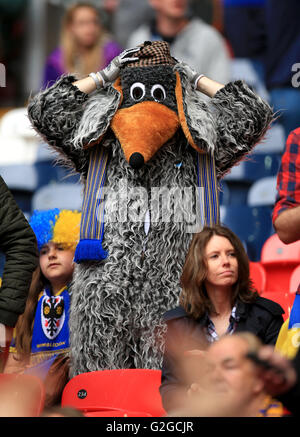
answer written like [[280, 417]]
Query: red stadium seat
[[279, 260], [295, 280], [113, 393], [284, 299], [258, 276]]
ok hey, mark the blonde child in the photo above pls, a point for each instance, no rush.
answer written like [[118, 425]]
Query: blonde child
[[41, 338]]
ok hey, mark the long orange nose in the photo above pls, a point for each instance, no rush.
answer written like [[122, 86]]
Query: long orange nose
[[142, 129]]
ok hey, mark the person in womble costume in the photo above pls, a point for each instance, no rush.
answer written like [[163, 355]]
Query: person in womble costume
[[139, 124]]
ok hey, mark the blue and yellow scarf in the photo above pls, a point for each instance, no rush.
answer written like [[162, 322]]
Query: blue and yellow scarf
[[50, 336], [90, 247]]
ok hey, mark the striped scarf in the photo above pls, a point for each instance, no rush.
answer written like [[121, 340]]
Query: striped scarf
[[92, 219], [93, 208], [208, 192]]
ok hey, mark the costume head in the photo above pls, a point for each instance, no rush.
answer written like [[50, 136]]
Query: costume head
[[56, 226], [145, 107]]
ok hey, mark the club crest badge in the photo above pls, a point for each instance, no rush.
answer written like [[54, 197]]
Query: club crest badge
[[52, 315]]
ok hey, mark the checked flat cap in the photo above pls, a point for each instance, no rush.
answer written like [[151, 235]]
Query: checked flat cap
[[153, 53]]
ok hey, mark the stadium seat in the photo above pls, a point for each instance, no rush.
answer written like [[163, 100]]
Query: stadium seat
[[284, 299], [256, 166], [238, 191], [263, 192], [261, 165], [224, 193], [295, 280], [19, 176], [250, 177], [60, 195], [258, 276], [237, 184], [279, 261], [253, 225], [274, 140], [18, 140], [48, 170], [242, 68], [125, 392], [21, 395], [21, 179]]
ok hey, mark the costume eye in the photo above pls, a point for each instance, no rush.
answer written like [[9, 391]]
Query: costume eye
[[158, 93], [137, 91]]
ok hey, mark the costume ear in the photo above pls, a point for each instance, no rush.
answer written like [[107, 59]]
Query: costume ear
[[194, 114], [97, 115]]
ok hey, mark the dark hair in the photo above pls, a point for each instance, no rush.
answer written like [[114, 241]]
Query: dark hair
[[193, 297], [24, 326]]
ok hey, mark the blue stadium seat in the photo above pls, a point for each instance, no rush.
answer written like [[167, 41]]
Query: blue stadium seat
[[237, 184], [273, 142], [261, 165], [224, 193], [58, 195], [47, 169], [256, 166], [253, 225], [21, 179], [19, 176], [49, 172], [263, 192], [243, 68], [238, 192]]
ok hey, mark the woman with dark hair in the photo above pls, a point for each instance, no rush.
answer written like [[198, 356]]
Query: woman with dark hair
[[217, 298]]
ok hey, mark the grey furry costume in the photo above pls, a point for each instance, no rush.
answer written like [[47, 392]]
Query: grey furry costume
[[117, 303]]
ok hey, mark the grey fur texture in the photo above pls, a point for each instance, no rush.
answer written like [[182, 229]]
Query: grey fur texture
[[117, 304], [99, 110], [229, 125]]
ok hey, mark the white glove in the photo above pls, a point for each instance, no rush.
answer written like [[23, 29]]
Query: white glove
[[111, 72], [192, 75]]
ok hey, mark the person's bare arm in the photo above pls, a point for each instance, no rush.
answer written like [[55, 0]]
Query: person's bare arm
[[201, 83], [208, 86], [287, 225], [87, 85]]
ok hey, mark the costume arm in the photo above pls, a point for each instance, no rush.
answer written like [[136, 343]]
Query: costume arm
[[241, 120], [55, 114]]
